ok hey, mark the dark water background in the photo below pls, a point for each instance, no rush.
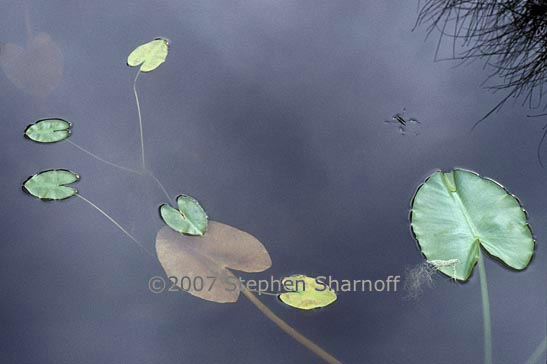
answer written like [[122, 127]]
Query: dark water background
[[271, 114]]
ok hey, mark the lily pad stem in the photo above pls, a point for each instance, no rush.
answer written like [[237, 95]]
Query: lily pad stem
[[103, 160], [116, 224], [153, 176], [130, 170], [485, 312], [289, 330], [140, 116]]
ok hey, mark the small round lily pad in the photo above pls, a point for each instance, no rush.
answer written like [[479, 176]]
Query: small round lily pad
[[149, 55], [190, 218], [50, 185], [48, 130], [308, 293]]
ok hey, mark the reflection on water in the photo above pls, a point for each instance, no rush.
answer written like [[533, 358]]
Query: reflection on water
[[36, 68]]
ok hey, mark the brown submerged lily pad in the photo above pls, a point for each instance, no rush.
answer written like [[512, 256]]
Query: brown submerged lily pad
[[208, 257], [36, 69]]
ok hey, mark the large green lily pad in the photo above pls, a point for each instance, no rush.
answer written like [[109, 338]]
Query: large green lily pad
[[190, 218], [149, 55], [48, 130], [308, 293], [455, 213], [50, 185]]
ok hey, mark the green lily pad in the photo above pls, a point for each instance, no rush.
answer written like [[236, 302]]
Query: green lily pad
[[189, 218], [50, 185], [455, 213], [309, 294], [149, 55], [48, 130]]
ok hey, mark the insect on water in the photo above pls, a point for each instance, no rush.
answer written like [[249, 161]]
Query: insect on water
[[403, 122]]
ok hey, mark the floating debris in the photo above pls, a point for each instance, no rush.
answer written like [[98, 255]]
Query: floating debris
[[421, 276]]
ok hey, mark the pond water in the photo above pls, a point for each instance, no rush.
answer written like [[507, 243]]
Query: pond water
[[271, 114]]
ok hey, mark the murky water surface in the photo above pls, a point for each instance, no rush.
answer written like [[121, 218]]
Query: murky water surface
[[272, 115]]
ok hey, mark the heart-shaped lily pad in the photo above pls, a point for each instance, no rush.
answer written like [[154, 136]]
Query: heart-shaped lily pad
[[36, 69], [455, 213], [50, 185], [308, 292], [48, 130], [198, 265], [189, 218], [149, 55]]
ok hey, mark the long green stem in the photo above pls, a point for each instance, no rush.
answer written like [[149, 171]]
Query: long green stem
[[485, 312], [140, 116], [102, 159], [116, 224], [535, 358], [310, 345]]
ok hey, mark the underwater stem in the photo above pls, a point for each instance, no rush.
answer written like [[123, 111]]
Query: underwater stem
[[485, 313], [140, 117], [150, 173], [103, 160], [289, 330], [536, 355], [115, 224], [159, 184]]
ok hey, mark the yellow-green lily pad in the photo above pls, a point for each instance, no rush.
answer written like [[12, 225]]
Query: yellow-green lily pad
[[149, 55], [308, 293]]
